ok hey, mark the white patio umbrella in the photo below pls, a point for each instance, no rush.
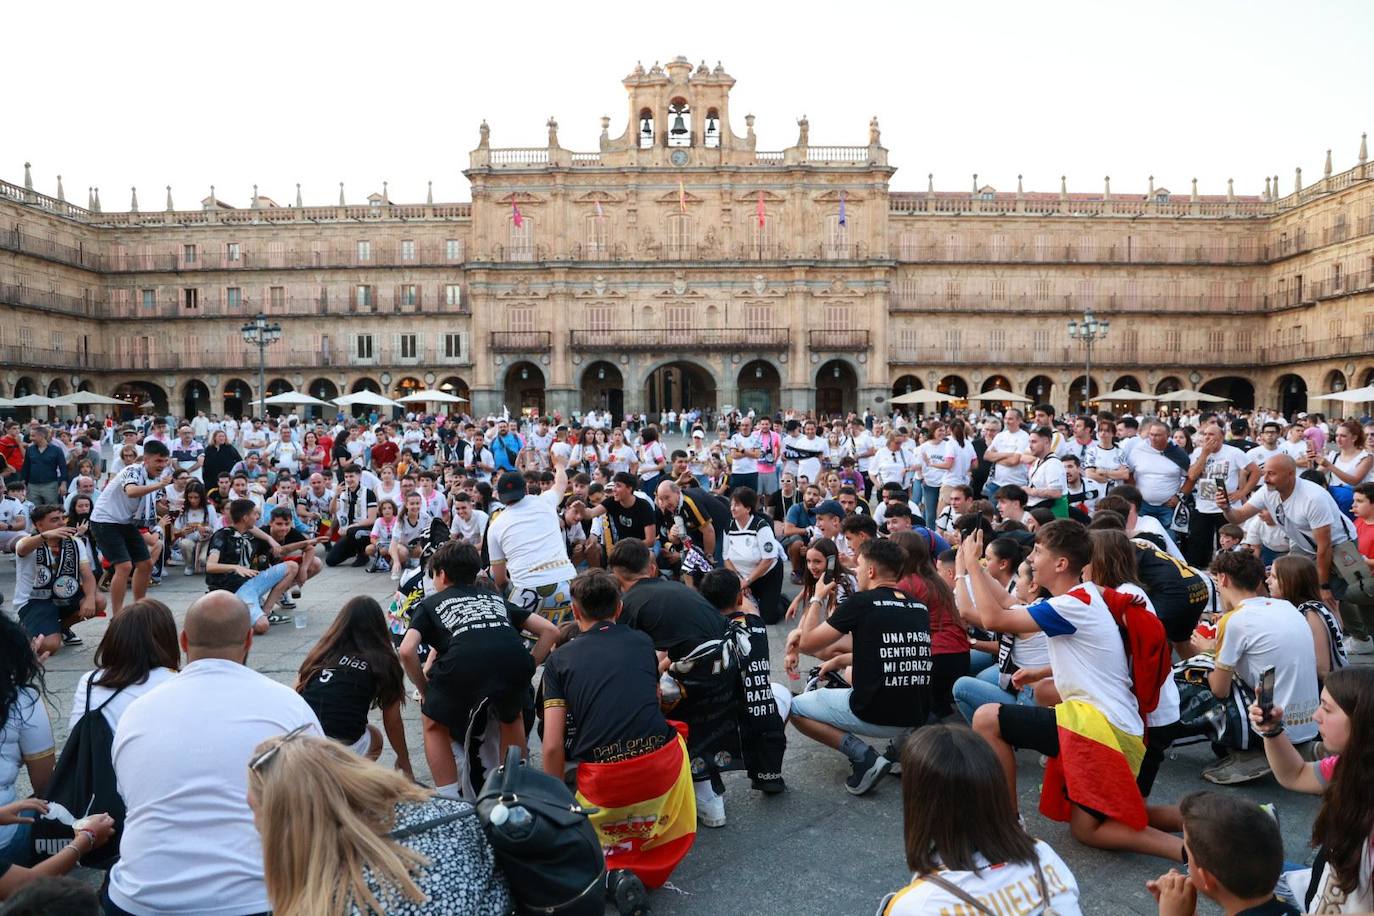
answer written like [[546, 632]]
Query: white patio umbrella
[[6, 402], [1000, 394], [1350, 396], [433, 396], [293, 399], [1188, 394], [922, 396], [1126, 394], [367, 398], [82, 398], [36, 400]]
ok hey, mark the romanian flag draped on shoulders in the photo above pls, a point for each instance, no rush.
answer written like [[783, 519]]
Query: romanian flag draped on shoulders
[[647, 817], [1098, 762]]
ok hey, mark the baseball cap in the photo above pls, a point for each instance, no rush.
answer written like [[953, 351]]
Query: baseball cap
[[511, 487], [698, 434], [830, 507]]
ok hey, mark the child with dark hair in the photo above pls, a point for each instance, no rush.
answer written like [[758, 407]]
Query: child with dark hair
[[1235, 857]]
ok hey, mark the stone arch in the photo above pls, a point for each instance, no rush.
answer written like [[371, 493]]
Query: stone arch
[[1241, 391], [364, 383], [524, 388], [997, 381], [1040, 389], [837, 388], [679, 384], [195, 397], [325, 390], [454, 384], [1076, 399], [138, 392], [1168, 384], [1290, 393], [238, 397], [603, 388], [406, 385], [1335, 381], [1126, 381], [906, 384], [760, 385]]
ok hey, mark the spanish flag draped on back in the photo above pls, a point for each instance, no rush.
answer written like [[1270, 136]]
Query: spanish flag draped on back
[[647, 817]]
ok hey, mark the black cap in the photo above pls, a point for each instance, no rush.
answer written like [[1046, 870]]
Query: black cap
[[511, 487]]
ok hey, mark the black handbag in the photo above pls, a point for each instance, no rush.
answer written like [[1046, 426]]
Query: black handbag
[[547, 847]]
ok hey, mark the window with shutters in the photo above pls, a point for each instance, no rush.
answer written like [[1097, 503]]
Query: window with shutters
[[188, 254], [600, 318], [907, 293], [190, 298], [1337, 281], [954, 339], [1086, 248], [407, 249], [362, 346], [999, 248], [364, 251], [1333, 328], [908, 247], [520, 319], [362, 296], [1216, 293], [453, 250], [231, 251], [1130, 343], [149, 298], [453, 346], [1043, 290], [837, 316], [998, 291], [276, 295], [598, 237], [521, 239], [757, 316], [1367, 329], [1173, 340], [59, 341], [233, 297], [1131, 294], [410, 294], [453, 294], [1040, 340], [953, 292], [409, 346], [837, 238], [954, 247], [997, 339], [678, 318], [1042, 246], [1086, 290], [677, 236]]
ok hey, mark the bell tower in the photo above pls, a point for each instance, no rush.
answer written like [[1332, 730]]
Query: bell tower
[[675, 107]]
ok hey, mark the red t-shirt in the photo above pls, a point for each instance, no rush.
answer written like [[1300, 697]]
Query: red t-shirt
[[1364, 535], [384, 453], [947, 637]]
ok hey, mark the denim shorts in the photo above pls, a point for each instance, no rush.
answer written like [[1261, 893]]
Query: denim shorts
[[831, 706], [257, 588]]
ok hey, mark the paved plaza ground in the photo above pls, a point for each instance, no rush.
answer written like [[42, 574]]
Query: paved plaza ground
[[813, 851]]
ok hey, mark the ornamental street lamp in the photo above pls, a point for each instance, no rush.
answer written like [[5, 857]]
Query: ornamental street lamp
[[263, 334], [1088, 332]]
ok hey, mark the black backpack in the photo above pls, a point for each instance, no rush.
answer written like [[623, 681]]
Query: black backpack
[[83, 783], [543, 841]]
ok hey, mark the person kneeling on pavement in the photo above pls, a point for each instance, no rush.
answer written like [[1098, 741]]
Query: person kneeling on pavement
[[601, 710], [889, 634], [236, 562]]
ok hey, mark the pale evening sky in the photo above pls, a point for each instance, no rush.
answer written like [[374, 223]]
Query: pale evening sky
[[191, 94]]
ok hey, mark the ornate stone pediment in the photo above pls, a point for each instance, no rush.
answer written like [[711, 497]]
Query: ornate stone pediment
[[522, 198], [604, 197], [672, 198], [680, 289], [838, 287], [521, 289], [833, 196], [599, 289], [769, 197], [759, 288]]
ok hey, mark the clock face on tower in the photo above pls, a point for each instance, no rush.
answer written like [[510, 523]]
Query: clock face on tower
[[679, 157]]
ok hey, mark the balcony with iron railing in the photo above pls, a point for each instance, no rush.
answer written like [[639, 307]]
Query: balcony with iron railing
[[1027, 303], [838, 340], [49, 301], [246, 307], [279, 357], [49, 250], [653, 339], [419, 254], [521, 341], [46, 358], [1225, 351]]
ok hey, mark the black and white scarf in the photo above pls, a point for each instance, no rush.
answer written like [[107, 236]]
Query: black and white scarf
[[57, 574]]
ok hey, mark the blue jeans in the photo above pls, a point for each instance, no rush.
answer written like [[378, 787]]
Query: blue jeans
[[1165, 514], [259, 587], [972, 692], [990, 490], [930, 501], [979, 661]]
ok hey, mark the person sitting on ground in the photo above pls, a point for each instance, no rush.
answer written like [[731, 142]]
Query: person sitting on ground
[[352, 669], [1342, 831], [189, 843], [53, 585], [1294, 579], [298, 548], [973, 856], [1094, 786], [949, 643], [138, 652], [891, 666], [1257, 634], [481, 667], [606, 682], [379, 843], [1235, 858], [237, 563]]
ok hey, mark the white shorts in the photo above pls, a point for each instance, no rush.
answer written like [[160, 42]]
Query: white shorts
[[363, 744]]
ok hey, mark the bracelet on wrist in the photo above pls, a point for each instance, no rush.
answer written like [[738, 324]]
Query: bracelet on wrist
[[1272, 733], [91, 836]]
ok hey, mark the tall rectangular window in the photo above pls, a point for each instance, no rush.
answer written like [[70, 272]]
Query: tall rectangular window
[[600, 318], [453, 294], [837, 237], [233, 297], [409, 346], [364, 346], [678, 236], [520, 319], [231, 251], [453, 250], [149, 298], [190, 297], [188, 254], [277, 297], [362, 296], [598, 237], [364, 251], [758, 316], [407, 249], [522, 239], [410, 294], [998, 293], [453, 345]]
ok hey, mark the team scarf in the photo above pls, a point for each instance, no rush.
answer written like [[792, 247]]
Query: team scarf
[[643, 809], [57, 573], [762, 735]]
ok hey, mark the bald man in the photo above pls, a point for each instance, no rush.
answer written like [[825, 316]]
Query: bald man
[[1305, 511], [181, 760]]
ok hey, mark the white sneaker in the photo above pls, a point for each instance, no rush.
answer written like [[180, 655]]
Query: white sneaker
[[1355, 646], [710, 806]]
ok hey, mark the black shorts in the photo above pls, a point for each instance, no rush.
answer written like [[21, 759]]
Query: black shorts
[[1180, 610], [40, 617], [1032, 727], [459, 684], [120, 543]]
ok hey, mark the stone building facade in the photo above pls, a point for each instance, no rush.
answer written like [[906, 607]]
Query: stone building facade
[[680, 265]]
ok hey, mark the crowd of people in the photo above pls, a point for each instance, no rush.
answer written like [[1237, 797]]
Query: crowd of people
[[948, 591]]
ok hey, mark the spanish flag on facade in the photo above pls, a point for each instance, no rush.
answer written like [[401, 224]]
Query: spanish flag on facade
[[681, 196], [648, 813], [1096, 768]]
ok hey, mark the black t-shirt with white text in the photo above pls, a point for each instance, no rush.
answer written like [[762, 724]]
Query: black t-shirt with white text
[[607, 679], [892, 657], [341, 695], [674, 615], [465, 612]]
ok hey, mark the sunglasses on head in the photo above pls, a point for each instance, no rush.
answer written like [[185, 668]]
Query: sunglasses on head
[[261, 760]]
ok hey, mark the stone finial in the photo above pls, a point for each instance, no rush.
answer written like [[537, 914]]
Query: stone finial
[[28, 178], [1276, 187], [1230, 189], [214, 201], [341, 197], [1364, 149], [133, 200], [552, 124], [254, 205], [96, 208], [1326, 169], [1266, 187], [61, 195], [386, 195], [1297, 179], [1193, 196], [429, 192], [170, 208], [1151, 192], [1063, 185], [1107, 188], [298, 195], [483, 135], [90, 198], [975, 182], [1019, 190], [930, 183]]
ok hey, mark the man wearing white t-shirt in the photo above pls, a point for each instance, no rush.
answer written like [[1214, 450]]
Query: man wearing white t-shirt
[[190, 844], [1215, 465], [863, 447], [745, 449], [1257, 634], [527, 549], [1269, 445], [1094, 680], [1306, 512], [1004, 454], [1047, 483], [1158, 467]]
